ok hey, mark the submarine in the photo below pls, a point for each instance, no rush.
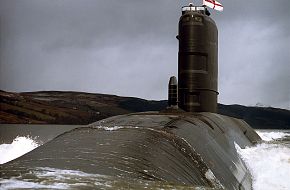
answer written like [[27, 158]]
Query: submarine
[[186, 144]]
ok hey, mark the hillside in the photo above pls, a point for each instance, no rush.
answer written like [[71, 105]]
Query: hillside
[[55, 107]]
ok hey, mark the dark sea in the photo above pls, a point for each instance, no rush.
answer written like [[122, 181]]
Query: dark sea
[[268, 162]]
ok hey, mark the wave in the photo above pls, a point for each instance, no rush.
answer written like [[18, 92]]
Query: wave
[[19, 147], [268, 162], [269, 136]]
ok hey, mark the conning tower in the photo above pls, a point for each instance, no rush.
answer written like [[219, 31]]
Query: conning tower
[[197, 60]]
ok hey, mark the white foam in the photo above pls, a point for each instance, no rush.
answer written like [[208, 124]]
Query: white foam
[[17, 148], [20, 184], [269, 164], [269, 136], [53, 172], [114, 128], [52, 178]]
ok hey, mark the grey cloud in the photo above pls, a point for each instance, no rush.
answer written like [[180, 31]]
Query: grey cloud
[[129, 48]]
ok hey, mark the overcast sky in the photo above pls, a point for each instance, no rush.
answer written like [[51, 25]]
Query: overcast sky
[[129, 48]]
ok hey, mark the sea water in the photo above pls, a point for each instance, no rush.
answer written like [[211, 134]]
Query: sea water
[[268, 162]]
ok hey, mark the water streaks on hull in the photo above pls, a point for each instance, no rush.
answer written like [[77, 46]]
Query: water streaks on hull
[[52, 178]]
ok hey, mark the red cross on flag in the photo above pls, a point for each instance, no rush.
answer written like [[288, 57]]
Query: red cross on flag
[[213, 4]]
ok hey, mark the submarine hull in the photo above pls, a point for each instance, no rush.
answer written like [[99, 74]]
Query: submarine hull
[[178, 148]]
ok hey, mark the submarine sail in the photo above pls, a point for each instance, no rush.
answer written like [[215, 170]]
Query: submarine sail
[[197, 60]]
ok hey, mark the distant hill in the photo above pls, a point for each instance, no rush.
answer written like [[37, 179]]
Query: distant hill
[[57, 107]]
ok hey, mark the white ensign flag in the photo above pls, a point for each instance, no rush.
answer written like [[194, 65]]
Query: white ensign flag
[[213, 4]]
